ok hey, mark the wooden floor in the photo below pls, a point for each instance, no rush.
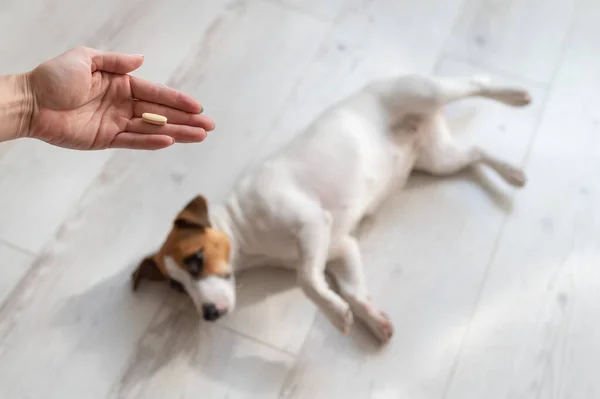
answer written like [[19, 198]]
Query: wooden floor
[[505, 306]]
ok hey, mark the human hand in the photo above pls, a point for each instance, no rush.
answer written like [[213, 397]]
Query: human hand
[[84, 99]]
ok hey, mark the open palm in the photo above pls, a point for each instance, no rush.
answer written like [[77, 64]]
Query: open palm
[[84, 99]]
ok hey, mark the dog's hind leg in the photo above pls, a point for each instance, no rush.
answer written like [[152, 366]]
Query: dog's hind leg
[[452, 89], [441, 155], [347, 270], [427, 95]]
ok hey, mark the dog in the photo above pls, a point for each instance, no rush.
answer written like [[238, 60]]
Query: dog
[[299, 208]]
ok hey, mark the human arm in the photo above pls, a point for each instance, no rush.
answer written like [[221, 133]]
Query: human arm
[[16, 106]]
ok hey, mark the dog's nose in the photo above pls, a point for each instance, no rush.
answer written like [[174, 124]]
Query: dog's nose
[[210, 312]]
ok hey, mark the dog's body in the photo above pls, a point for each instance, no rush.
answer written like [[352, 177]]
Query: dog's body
[[300, 207]]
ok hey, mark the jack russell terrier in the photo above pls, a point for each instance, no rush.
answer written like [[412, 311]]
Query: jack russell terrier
[[300, 207]]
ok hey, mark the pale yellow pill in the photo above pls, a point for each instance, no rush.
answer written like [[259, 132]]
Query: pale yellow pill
[[154, 119]]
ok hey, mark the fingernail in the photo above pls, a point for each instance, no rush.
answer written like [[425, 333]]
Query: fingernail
[[139, 55], [201, 109]]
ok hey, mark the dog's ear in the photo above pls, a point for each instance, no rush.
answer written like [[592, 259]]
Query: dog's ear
[[194, 215], [149, 270], [177, 286]]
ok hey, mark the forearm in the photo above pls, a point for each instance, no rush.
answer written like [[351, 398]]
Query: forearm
[[16, 107]]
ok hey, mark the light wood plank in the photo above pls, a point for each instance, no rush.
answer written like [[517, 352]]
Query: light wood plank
[[42, 29], [182, 357], [4, 147], [73, 327], [327, 10], [535, 331], [429, 294], [523, 38], [39, 186], [13, 266], [166, 49], [272, 309]]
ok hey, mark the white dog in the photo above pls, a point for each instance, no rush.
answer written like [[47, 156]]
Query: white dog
[[300, 207]]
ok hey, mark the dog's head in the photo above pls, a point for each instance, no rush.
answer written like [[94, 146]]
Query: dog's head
[[195, 258]]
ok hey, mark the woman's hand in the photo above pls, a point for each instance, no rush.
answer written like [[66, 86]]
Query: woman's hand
[[84, 99]]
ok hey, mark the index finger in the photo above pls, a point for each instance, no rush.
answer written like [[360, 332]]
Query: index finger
[[146, 90]]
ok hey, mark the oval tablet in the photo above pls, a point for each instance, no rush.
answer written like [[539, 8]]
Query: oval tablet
[[154, 119]]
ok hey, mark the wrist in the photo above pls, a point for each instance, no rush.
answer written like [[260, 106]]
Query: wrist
[[16, 106]]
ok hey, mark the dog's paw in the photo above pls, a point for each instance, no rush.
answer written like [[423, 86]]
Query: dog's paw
[[342, 319], [513, 176], [382, 327], [514, 97], [347, 322], [518, 178], [379, 323]]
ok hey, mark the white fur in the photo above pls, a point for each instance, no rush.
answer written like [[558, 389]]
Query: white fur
[[300, 207]]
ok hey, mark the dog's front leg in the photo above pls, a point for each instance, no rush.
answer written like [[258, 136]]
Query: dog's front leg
[[347, 270], [314, 239]]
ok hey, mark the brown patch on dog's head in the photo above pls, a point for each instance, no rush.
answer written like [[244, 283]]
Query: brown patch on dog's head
[[200, 253], [194, 246]]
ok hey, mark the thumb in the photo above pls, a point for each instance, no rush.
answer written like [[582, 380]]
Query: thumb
[[119, 63]]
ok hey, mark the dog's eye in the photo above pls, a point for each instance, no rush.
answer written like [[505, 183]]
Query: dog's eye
[[227, 276], [194, 264]]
